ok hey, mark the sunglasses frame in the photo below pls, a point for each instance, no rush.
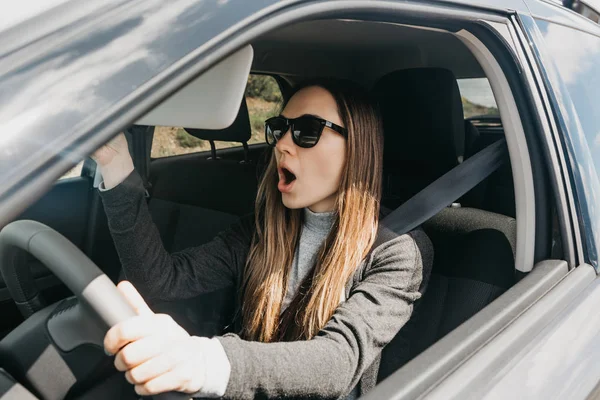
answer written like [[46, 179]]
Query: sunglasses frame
[[290, 127]]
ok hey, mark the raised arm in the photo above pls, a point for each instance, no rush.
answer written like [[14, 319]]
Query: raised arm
[[157, 274]]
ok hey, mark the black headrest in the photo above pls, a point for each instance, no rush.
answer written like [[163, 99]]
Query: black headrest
[[422, 117], [239, 131]]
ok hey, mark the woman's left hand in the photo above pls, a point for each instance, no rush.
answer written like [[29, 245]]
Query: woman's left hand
[[156, 354]]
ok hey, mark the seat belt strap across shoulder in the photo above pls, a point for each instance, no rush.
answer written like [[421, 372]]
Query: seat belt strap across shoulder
[[446, 189]]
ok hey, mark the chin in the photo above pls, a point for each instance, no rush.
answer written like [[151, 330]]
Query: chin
[[292, 204]]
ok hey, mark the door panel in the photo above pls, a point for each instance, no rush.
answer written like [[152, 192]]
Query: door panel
[[549, 351], [64, 208], [438, 363]]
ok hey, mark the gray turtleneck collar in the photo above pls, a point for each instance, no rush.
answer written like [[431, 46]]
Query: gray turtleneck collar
[[318, 222], [315, 228]]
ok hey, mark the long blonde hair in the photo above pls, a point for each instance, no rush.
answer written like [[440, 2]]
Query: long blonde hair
[[348, 243]]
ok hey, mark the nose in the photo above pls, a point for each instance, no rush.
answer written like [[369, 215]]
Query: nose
[[286, 144]]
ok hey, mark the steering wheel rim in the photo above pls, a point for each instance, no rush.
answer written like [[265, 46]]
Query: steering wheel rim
[[64, 260], [87, 282]]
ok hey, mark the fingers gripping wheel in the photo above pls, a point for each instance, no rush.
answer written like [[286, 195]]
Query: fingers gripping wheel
[[69, 264]]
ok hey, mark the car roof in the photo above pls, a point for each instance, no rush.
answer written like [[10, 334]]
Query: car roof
[[14, 13], [68, 73]]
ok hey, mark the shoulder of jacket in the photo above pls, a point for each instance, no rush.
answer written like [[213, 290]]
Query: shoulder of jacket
[[388, 243]]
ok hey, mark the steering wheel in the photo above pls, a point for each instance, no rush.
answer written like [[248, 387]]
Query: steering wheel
[[93, 289]]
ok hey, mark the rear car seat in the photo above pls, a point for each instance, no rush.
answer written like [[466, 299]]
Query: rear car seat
[[473, 249], [495, 194], [193, 199]]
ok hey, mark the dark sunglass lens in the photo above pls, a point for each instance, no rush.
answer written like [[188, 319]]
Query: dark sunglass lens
[[274, 129], [307, 131]]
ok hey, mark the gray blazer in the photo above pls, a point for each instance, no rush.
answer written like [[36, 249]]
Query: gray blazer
[[344, 354]]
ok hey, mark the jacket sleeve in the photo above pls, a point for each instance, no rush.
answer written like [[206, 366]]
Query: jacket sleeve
[[157, 274], [331, 364]]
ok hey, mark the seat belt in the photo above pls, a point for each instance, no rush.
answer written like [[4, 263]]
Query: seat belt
[[139, 139], [446, 189], [428, 202]]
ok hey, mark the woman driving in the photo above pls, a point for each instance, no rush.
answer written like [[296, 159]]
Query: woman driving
[[320, 287]]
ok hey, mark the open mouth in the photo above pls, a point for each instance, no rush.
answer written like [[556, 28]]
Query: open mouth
[[286, 180], [288, 176]]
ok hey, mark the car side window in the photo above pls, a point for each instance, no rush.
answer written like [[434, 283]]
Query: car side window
[[264, 99], [477, 97]]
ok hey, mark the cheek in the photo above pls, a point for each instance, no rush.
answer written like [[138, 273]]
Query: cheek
[[337, 166], [327, 165]]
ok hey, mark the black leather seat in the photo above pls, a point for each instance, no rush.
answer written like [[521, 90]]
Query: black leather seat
[[193, 199], [424, 129], [496, 193], [474, 249]]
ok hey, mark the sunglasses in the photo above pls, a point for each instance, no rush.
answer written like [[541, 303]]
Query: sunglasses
[[306, 130]]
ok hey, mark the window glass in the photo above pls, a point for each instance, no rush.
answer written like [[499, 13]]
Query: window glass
[[264, 100], [263, 97], [73, 172], [171, 141], [577, 56], [477, 97]]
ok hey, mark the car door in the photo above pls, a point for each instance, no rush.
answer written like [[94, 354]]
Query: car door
[[547, 349], [65, 208], [561, 360]]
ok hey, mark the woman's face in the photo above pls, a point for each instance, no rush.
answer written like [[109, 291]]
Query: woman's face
[[317, 170]]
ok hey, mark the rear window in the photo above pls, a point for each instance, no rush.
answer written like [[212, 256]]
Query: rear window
[[477, 97], [264, 99]]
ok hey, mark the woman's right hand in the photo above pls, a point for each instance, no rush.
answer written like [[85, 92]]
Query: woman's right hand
[[114, 161]]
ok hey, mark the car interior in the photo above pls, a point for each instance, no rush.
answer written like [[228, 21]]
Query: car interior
[[414, 75]]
